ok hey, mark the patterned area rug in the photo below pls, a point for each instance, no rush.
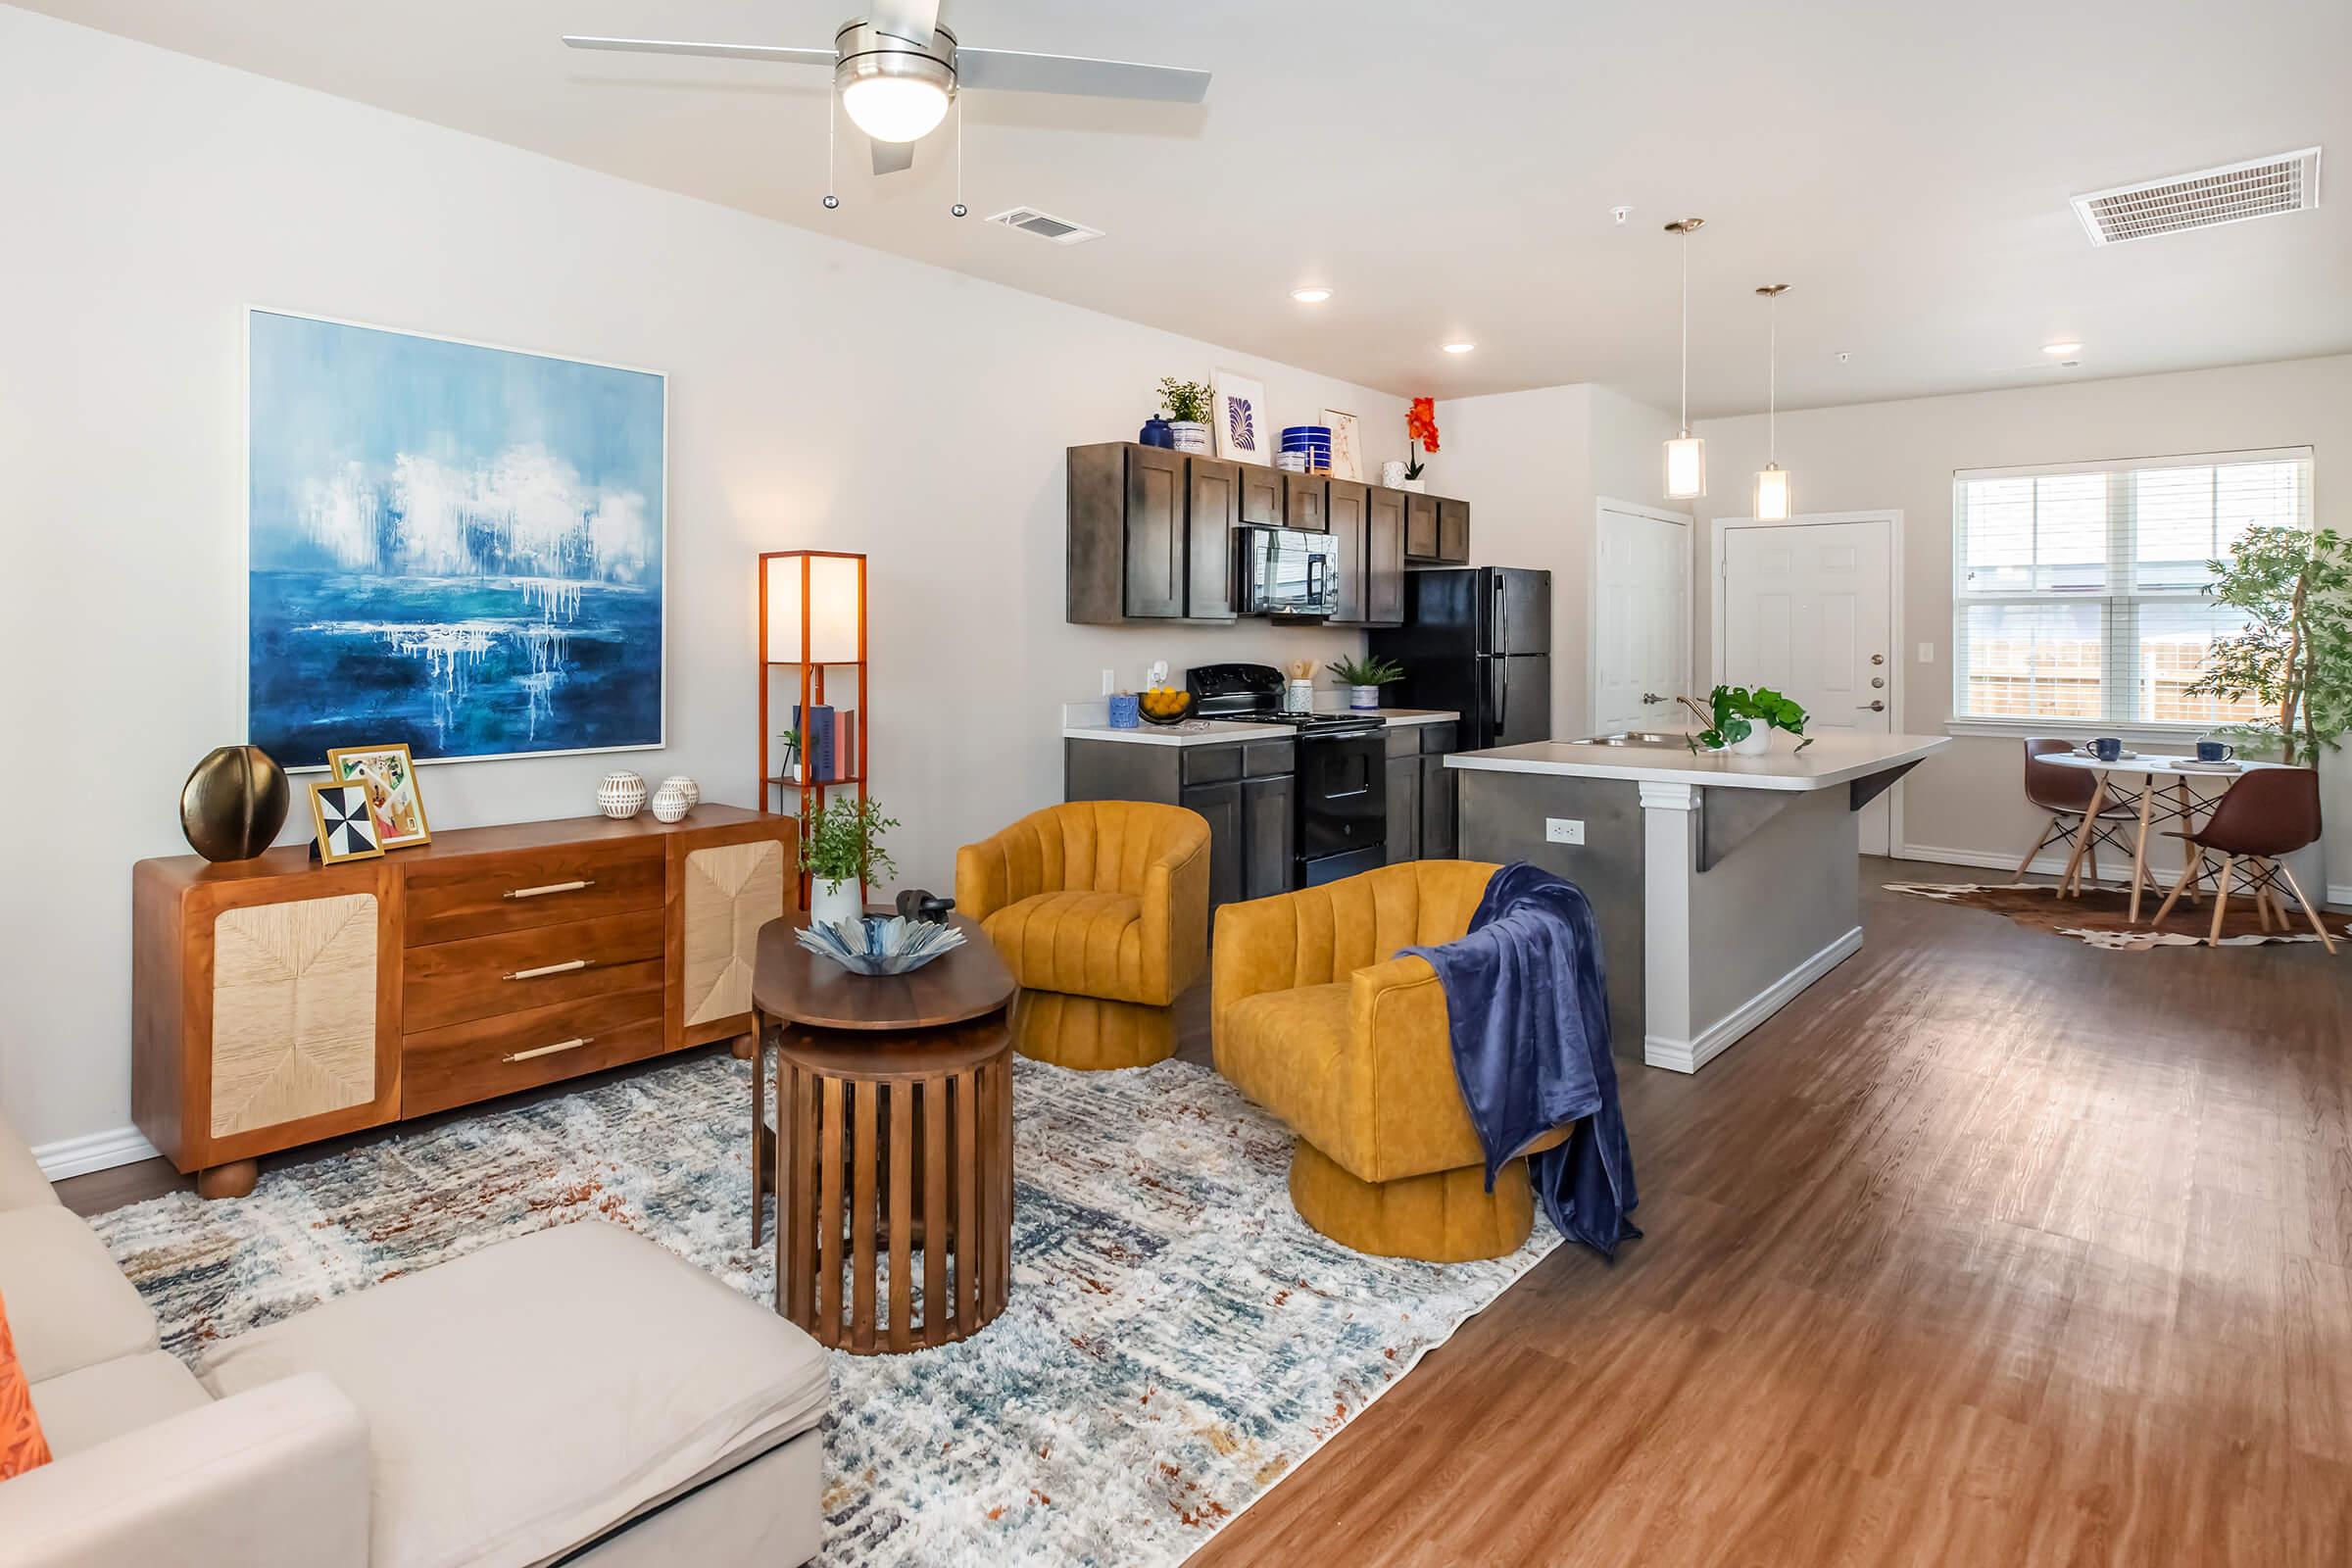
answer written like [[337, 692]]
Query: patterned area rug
[[2102, 916], [1177, 1340]]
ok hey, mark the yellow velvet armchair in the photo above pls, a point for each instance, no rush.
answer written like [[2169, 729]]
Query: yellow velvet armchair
[[1102, 899], [1318, 1020]]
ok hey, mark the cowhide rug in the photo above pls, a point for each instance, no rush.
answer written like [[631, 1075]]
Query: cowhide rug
[[2100, 917]]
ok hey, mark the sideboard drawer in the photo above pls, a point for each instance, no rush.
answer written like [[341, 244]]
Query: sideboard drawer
[[479, 977], [518, 891], [463, 1063]]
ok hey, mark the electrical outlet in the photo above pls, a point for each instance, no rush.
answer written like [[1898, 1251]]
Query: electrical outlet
[[1563, 830], [1927, 653]]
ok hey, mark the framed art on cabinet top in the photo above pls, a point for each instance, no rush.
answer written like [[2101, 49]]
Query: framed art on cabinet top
[[389, 777], [343, 821], [1240, 416]]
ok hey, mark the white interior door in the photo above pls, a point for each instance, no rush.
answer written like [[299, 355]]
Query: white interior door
[[1640, 620], [1807, 610]]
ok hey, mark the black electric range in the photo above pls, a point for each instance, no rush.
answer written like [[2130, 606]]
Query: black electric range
[[1341, 794]]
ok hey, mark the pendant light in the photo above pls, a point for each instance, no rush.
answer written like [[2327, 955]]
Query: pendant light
[[1773, 501], [1686, 453]]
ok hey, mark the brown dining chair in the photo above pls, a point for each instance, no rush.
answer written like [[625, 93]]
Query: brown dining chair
[[2268, 813], [2065, 793]]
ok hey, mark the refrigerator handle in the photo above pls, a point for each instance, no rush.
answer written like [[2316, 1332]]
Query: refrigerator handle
[[1503, 697], [1500, 619]]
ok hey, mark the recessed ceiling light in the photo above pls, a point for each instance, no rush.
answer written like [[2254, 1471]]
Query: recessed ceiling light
[[2061, 350], [1459, 348], [1314, 295]]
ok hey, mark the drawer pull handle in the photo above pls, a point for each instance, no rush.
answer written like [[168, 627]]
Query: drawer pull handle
[[551, 887], [548, 1050], [553, 968]]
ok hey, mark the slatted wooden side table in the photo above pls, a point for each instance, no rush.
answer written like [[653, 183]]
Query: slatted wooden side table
[[891, 1153]]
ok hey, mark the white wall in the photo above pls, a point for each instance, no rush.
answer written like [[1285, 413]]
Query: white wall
[[1880, 455], [821, 395], [1533, 464]]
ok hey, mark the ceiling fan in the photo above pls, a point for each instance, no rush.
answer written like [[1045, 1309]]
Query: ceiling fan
[[897, 69]]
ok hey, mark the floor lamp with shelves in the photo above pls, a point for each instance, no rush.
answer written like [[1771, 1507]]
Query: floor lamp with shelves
[[811, 627]]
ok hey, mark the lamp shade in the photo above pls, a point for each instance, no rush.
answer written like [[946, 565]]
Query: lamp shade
[[895, 108], [1686, 468], [1773, 501], [831, 610]]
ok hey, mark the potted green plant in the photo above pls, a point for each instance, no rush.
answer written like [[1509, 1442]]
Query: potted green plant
[[2294, 656], [1364, 677], [1187, 404], [841, 850], [1742, 722]]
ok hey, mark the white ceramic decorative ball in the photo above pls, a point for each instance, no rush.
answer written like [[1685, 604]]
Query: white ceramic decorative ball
[[671, 803], [686, 787], [620, 795]]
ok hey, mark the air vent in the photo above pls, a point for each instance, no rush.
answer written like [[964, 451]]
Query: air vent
[[1044, 226], [2261, 188]]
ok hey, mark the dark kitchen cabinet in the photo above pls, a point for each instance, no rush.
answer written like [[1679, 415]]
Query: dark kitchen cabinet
[[1150, 534], [1213, 509], [1404, 809], [1247, 790], [1305, 498], [1268, 835], [1437, 809], [1344, 510], [1153, 524], [1453, 531], [1221, 805], [1420, 527], [1384, 557], [1263, 502]]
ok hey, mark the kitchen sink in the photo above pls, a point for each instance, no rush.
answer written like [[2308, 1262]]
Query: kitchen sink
[[1659, 739]]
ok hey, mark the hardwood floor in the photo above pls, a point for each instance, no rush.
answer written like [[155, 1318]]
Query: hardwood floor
[[1990, 1249]]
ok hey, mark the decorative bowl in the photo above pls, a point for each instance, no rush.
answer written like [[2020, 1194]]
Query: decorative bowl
[[878, 943], [1173, 707]]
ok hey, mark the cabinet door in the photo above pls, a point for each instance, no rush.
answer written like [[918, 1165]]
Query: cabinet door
[[1261, 497], [1221, 805], [1303, 502], [730, 891], [1266, 830], [1154, 530], [1453, 531], [1215, 506], [1383, 558], [1404, 809], [1344, 510], [1420, 527], [1437, 809]]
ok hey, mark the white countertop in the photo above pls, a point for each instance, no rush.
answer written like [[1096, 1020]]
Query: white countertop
[[1831, 759], [1210, 731]]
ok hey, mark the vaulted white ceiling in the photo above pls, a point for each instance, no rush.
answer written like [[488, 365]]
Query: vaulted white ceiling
[[1449, 171]]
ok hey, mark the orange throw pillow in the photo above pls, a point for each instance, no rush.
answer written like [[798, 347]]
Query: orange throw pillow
[[21, 1445]]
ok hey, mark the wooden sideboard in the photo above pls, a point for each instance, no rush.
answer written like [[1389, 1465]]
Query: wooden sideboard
[[276, 1001]]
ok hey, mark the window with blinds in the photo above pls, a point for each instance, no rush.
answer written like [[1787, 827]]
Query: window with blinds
[[2081, 591]]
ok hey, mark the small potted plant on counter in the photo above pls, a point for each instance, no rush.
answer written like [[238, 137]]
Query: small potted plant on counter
[[1742, 722], [1187, 404], [1364, 677], [841, 850]]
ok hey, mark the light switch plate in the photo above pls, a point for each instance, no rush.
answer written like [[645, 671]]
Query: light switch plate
[[1563, 830], [1927, 653], [1110, 679]]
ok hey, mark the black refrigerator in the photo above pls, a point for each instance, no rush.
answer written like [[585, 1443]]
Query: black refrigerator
[[1478, 640]]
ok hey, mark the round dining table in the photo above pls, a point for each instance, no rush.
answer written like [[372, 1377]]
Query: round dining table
[[2115, 783]]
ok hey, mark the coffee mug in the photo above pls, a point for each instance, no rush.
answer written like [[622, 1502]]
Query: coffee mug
[[2107, 749], [2215, 751]]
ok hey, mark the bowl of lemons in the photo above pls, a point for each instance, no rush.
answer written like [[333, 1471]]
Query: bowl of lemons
[[1164, 705]]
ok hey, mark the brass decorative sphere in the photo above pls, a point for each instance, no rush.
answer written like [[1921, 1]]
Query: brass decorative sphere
[[234, 804]]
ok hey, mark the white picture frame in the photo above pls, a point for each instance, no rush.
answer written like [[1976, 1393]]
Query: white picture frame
[[1346, 458], [1245, 432]]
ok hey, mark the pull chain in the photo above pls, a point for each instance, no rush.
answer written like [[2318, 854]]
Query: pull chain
[[832, 113], [958, 210]]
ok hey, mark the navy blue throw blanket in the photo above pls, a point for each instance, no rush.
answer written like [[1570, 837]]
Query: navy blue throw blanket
[[1527, 1006]]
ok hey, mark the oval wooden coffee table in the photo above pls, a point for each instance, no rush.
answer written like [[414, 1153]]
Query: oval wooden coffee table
[[893, 1142]]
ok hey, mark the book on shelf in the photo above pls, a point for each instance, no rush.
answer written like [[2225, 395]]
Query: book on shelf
[[813, 762]]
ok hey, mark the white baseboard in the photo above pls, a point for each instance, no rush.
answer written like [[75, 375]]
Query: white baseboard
[[78, 1157], [2340, 894], [1689, 1055]]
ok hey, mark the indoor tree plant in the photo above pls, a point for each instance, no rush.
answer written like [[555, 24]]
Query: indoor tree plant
[[1742, 722], [841, 850], [1187, 404], [1364, 677], [2294, 654]]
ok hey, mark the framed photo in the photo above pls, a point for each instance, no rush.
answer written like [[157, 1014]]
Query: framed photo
[[389, 775], [344, 821], [1244, 432], [1345, 461], [461, 546]]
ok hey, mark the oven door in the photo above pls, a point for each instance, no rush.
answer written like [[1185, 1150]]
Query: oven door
[[1343, 795]]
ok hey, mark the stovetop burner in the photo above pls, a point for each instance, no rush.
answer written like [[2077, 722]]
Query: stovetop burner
[[1251, 693]]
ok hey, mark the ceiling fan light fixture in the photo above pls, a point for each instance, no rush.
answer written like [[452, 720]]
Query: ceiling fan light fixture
[[891, 89], [895, 109]]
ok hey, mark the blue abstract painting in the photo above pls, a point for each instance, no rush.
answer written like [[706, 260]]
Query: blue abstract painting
[[451, 545]]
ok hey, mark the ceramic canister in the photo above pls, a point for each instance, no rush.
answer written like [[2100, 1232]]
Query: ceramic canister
[[687, 787], [620, 795], [670, 803]]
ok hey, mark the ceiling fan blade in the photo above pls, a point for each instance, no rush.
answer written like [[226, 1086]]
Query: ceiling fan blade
[[893, 157], [715, 51], [911, 19], [1010, 69]]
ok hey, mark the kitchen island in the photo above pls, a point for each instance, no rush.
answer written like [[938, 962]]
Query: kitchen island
[[1723, 885]]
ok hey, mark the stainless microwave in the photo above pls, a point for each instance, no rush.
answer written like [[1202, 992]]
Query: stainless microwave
[[1286, 571]]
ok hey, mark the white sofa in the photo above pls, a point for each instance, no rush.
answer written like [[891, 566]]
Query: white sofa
[[578, 1394]]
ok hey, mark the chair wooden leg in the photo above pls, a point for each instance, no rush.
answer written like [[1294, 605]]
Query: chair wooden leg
[[2041, 842], [2310, 909], [2067, 884], [2262, 902], [2091, 861], [2220, 901], [2139, 847], [2192, 860], [759, 1143], [2188, 823]]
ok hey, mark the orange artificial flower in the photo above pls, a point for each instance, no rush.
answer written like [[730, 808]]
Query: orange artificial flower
[[1421, 423]]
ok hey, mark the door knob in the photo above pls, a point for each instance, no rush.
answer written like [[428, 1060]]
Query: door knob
[[1878, 659], [1872, 706], [1878, 683], [1652, 697]]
